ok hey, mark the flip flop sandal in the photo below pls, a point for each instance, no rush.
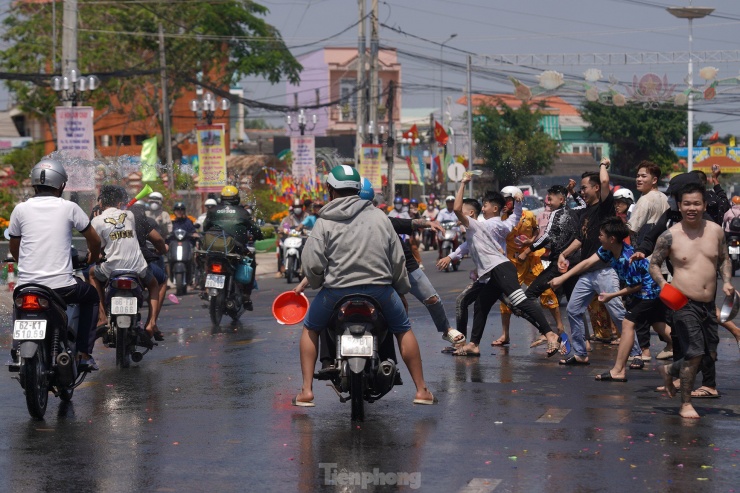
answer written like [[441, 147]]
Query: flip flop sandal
[[554, 348], [499, 342], [704, 394], [452, 337], [427, 402], [637, 363], [607, 377], [298, 403], [572, 361], [462, 352]]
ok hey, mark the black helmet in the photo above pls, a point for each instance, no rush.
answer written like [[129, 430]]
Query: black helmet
[[179, 206]]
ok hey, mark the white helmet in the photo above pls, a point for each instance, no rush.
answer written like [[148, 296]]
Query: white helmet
[[210, 202], [625, 194], [156, 196], [450, 198], [510, 191]]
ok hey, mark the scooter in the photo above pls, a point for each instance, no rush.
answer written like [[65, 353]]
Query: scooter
[[358, 338], [45, 332], [448, 242], [180, 257], [123, 299], [292, 248]]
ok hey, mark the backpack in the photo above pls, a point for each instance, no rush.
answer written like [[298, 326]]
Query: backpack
[[735, 224]]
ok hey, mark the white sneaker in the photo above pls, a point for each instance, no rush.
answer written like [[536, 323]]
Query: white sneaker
[[421, 266]]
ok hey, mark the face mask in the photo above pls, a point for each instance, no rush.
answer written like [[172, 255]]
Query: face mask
[[297, 211], [397, 206], [154, 206]]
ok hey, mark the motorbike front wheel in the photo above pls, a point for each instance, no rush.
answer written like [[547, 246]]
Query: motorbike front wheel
[[37, 384], [123, 358], [216, 308], [357, 392], [181, 286], [290, 270]]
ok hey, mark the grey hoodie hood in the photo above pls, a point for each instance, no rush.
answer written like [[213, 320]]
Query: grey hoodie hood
[[344, 208]]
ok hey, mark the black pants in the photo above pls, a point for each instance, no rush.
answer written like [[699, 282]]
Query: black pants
[[704, 314], [504, 282], [542, 282], [467, 297]]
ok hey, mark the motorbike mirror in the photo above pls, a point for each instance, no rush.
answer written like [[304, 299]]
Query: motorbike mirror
[[260, 222]]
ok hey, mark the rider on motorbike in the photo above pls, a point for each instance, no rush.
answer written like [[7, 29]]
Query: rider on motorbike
[[398, 209], [235, 221], [116, 228], [353, 249], [182, 221], [41, 241], [292, 221], [209, 204], [160, 216]]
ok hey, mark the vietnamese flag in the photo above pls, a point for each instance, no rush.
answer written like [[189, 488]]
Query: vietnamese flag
[[715, 136], [414, 131], [439, 134]]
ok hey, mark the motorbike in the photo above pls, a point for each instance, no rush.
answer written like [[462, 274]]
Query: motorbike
[[429, 239], [180, 258], [448, 242], [124, 296], [45, 331], [292, 248], [364, 354], [733, 243], [226, 274]]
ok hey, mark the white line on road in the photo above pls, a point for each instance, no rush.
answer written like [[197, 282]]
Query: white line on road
[[553, 415], [480, 485]]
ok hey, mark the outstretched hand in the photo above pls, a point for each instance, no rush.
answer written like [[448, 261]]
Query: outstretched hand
[[436, 226], [443, 263]]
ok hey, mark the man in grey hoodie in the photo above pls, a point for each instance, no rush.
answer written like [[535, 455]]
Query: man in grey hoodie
[[354, 249]]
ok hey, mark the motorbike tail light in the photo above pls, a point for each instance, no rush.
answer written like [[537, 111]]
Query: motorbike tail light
[[359, 308], [123, 284], [217, 268], [32, 303], [735, 243]]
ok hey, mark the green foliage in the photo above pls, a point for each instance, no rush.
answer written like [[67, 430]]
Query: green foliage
[[702, 129], [512, 142], [265, 207], [268, 231], [24, 159], [637, 134], [7, 203], [218, 41]]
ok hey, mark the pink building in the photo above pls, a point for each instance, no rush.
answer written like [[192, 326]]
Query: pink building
[[330, 74]]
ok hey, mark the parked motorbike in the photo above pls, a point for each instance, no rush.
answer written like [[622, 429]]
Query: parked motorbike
[[292, 248], [45, 331], [226, 275], [448, 242], [123, 300], [180, 257], [365, 363]]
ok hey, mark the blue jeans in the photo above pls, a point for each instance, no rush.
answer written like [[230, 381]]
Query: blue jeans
[[589, 285], [323, 305], [422, 290]]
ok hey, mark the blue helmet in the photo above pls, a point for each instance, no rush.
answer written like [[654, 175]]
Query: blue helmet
[[398, 200], [367, 192]]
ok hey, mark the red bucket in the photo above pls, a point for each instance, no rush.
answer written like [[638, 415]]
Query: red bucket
[[289, 308], [672, 297]]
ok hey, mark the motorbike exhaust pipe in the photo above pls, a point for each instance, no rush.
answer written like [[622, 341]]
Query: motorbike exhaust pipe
[[386, 376], [230, 305], [65, 369], [137, 356]]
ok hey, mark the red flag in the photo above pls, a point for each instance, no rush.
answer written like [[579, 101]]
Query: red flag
[[439, 134], [440, 172], [414, 132], [715, 136]]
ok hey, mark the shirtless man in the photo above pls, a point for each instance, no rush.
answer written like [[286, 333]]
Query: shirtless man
[[696, 248]]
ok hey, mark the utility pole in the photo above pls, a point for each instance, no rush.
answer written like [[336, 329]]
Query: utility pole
[[391, 143], [69, 39], [373, 100], [470, 123], [166, 138], [360, 114]]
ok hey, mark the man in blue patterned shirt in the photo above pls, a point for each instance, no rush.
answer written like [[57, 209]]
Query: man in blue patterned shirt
[[645, 301]]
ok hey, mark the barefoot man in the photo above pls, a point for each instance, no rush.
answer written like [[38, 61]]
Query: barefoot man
[[696, 248]]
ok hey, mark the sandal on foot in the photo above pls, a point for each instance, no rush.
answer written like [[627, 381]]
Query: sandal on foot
[[454, 337], [500, 342], [615, 342], [298, 403], [637, 363], [427, 402], [664, 355], [573, 361], [607, 377], [704, 394], [554, 348], [463, 352]]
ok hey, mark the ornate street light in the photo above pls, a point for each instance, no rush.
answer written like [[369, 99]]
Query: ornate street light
[[302, 122], [73, 87], [207, 105]]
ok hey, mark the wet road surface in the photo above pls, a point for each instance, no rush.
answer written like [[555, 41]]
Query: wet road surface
[[211, 412]]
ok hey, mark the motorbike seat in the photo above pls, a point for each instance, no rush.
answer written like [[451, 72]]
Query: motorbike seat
[[30, 287], [125, 273]]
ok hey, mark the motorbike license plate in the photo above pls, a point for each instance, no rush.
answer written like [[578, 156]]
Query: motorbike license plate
[[735, 250], [357, 346], [215, 281], [122, 306], [29, 330]]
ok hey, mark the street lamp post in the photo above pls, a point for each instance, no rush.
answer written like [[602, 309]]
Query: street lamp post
[[207, 106], [690, 13], [441, 76], [73, 87], [302, 122]]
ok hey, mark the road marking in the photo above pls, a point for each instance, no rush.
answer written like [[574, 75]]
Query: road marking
[[245, 342], [553, 415], [480, 485]]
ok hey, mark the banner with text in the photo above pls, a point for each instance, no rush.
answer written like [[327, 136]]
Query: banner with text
[[76, 139], [303, 149], [371, 161], [211, 157]]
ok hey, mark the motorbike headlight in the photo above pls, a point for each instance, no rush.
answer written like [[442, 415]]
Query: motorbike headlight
[[180, 234]]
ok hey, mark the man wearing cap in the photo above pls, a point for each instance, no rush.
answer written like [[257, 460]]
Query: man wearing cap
[[353, 249]]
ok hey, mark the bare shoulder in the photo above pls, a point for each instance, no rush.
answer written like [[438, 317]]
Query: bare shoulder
[[715, 229]]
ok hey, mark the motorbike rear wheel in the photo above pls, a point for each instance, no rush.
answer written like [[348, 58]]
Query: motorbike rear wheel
[[216, 308], [123, 358], [357, 393], [290, 270], [181, 286], [37, 384]]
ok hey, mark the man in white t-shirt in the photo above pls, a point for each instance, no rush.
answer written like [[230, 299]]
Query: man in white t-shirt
[[41, 242], [117, 232], [651, 205]]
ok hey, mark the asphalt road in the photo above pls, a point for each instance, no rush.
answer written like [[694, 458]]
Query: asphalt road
[[211, 412]]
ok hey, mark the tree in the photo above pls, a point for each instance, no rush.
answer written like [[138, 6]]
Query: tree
[[512, 142], [637, 134], [218, 42]]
